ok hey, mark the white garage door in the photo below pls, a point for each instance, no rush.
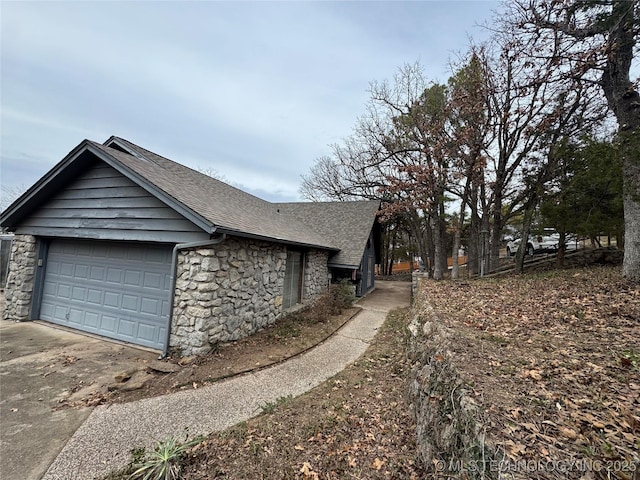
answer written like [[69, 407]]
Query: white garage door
[[116, 289]]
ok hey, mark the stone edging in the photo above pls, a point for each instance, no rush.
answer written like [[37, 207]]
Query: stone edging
[[449, 425]]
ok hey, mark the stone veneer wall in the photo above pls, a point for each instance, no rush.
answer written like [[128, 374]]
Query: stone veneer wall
[[316, 271], [226, 292], [20, 282]]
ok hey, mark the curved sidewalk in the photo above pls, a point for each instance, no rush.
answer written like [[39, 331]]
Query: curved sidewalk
[[104, 441]]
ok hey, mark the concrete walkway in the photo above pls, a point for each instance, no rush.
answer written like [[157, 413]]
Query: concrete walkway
[[103, 443]]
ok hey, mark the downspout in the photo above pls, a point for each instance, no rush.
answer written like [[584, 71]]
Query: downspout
[[172, 289]]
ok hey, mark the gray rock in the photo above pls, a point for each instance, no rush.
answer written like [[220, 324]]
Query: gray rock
[[163, 367]]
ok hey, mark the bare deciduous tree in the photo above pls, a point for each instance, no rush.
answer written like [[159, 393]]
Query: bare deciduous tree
[[594, 42]]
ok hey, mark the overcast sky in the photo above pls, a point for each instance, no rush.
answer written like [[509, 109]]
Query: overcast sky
[[253, 90]]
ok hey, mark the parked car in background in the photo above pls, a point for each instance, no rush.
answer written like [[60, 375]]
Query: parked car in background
[[541, 244], [535, 244]]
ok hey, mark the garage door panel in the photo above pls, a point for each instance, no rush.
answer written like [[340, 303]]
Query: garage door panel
[[114, 275], [153, 280], [130, 303], [76, 317], [151, 306], [100, 253], [109, 288], [53, 267], [112, 299], [83, 250], [133, 278], [66, 269], [118, 253], [94, 297], [136, 255], [63, 291], [67, 248], [81, 271], [126, 328], [60, 313], [46, 310], [92, 320], [97, 273], [146, 331], [108, 325], [154, 256], [79, 294]]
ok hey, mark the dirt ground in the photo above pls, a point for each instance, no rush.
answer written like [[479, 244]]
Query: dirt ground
[[286, 338]]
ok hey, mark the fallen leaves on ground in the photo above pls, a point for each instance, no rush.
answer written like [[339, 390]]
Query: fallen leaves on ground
[[356, 425], [553, 358]]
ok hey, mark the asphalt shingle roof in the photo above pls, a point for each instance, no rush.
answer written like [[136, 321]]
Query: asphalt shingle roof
[[341, 227], [345, 224], [226, 207]]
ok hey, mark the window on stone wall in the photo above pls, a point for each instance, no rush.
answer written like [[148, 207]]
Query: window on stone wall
[[293, 279]]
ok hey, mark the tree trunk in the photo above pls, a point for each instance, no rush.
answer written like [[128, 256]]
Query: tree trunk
[[624, 100], [386, 247], [415, 225], [442, 233], [631, 199], [562, 247], [485, 243], [494, 242], [522, 248], [438, 248], [474, 232], [455, 267]]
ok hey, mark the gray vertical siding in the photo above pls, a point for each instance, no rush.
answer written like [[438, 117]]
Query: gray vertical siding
[[104, 204]]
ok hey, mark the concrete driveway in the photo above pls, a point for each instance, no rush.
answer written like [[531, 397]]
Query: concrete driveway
[[41, 367]]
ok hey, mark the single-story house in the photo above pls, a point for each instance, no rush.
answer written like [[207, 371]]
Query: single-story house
[[121, 242]]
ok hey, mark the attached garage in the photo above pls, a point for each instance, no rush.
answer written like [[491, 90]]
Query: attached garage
[[116, 289], [121, 242]]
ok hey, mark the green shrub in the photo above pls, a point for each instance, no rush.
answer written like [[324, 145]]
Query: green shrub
[[165, 461]]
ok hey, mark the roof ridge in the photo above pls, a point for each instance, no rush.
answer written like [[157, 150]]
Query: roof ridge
[[328, 201]]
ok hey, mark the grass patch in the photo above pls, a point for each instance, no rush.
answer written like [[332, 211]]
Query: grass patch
[[270, 407], [163, 462]]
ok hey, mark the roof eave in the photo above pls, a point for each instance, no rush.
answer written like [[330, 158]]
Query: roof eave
[[255, 236], [343, 265], [25, 203]]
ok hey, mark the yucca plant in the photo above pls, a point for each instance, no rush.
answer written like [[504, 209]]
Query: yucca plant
[[165, 461]]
